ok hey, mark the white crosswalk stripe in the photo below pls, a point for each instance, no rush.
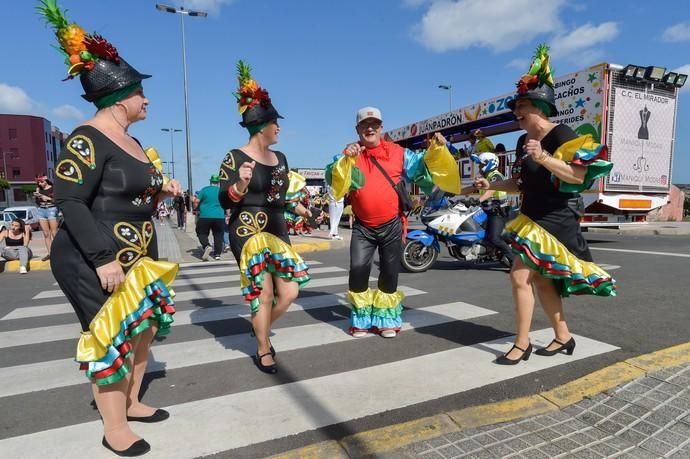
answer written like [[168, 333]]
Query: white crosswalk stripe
[[200, 426]]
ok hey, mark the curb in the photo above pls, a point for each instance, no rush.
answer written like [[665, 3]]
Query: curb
[[396, 436], [304, 247], [34, 265]]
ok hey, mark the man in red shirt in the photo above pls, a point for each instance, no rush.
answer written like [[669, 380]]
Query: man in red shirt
[[379, 220]]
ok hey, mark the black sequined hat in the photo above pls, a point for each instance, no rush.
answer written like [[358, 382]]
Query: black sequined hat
[[107, 77]]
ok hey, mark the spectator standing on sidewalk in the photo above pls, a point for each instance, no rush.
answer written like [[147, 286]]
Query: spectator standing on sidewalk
[[47, 211], [211, 218], [180, 211], [335, 211], [16, 240]]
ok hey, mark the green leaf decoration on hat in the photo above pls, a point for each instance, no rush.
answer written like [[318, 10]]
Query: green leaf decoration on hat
[[539, 72], [249, 93], [82, 50]]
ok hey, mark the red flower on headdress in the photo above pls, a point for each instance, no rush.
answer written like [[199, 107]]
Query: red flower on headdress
[[100, 47]]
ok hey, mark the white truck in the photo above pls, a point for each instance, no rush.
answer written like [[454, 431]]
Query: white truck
[[631, 109]]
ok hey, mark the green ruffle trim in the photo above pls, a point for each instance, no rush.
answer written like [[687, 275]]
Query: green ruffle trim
[[387, 313], [422, 177], [595, 170]]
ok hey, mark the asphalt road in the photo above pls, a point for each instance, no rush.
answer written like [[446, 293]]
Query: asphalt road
[[331, 385]]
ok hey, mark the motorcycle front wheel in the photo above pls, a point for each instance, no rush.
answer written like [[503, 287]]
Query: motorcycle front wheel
[[417, 258]]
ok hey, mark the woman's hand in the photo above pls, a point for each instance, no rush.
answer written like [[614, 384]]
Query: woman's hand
[[245, 175], [533, 149], [111, 276], [172, 188], [353, 150]]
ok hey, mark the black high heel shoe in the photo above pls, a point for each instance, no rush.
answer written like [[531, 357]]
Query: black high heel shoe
[[270, 369], [273, 351], [568, 347], [503, 360], [138, 448]]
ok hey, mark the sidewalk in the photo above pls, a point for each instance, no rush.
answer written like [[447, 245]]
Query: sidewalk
[[649, 229], [639, 408]]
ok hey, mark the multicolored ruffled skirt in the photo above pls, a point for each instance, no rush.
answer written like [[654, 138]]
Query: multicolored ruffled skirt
[[144, 296], [375, 311], [263, 253], [541, 251]]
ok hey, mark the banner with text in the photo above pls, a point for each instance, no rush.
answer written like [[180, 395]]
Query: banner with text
[[642, 140]]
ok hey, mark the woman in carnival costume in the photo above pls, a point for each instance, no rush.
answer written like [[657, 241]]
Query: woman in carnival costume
[[553, 165], [256, 185], [103, 256], [380, 218]]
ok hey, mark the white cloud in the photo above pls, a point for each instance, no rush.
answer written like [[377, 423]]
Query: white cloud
[[68, 112], [520, 64], [583, 38], [210, 6], [685, 69], [507, 24], [678, 32], [14, 100]]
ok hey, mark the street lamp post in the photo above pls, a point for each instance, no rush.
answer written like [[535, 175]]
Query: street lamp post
[[172, 147], [184, 12], [448, 88], [6, 176]]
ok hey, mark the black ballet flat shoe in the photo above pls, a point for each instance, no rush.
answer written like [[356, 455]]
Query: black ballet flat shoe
[[568, 347], [273, 351], [158, 416], [138, 448], [270, 369], [503, 360]]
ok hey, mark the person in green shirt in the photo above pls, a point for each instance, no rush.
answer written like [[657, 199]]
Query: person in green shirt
[[211, 218]]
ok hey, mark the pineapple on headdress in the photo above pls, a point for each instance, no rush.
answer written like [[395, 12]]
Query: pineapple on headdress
[[539, 72], [82, 50], [249, 93]]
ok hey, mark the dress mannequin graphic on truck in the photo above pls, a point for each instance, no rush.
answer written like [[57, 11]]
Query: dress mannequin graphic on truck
[[643, 133]]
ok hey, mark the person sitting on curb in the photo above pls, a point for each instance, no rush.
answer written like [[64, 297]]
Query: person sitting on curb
[[16, 240]]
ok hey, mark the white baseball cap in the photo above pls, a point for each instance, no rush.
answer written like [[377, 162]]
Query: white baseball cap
[[368, 112]]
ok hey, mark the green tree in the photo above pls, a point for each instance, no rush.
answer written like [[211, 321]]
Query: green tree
[[4, 184]]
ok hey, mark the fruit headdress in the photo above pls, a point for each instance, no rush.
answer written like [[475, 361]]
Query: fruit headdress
[[81, 50], [249, 93], [539, 72]]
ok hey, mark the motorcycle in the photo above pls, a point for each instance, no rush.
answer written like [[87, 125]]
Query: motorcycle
[[459, 224]]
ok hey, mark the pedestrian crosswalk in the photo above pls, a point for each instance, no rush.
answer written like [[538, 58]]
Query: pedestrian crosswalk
[[210, 340]]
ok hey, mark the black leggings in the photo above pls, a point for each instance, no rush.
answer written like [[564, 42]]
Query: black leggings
[[365, 240], [217, 225]]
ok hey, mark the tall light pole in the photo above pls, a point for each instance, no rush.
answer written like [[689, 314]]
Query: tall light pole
[[448, 88], [172, 147], [183, 12]]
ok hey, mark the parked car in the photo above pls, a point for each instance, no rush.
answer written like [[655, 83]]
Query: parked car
[[27, 213], [5, 219]]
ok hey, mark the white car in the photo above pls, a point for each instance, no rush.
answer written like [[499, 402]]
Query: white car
[[5, 220], [27, 213]]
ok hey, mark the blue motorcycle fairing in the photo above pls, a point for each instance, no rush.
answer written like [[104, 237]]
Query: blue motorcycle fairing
[[468, 237], [480, 217], [424, 237]]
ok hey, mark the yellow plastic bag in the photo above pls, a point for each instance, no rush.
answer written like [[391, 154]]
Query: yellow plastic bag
[[443, 168]]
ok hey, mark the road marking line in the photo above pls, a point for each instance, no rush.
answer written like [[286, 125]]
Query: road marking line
[[21, 379], [643, 252], [51, 333], [308, 404]]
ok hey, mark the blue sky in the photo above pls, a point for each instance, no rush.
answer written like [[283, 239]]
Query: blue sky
[[322, 60]]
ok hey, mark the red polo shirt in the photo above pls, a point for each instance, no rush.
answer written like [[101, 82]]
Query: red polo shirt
[[376, 202]]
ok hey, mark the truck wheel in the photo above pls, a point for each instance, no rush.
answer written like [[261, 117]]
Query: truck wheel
[[417, 258]]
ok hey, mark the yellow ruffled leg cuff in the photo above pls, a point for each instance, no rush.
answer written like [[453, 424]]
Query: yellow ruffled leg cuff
[[386, 311], [361, 309]]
